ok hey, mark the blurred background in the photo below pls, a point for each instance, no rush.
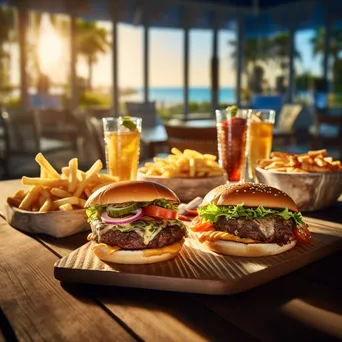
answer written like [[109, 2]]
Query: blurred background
[[64, 64]]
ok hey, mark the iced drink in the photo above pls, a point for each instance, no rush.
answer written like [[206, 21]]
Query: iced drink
[[232, 138], [122, 145], [260, 138]]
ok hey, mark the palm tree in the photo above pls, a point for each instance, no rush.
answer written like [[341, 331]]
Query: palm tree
[[280, 50], [254, 50], [335, 48], [91, 40]]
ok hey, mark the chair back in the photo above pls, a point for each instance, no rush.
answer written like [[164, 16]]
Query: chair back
[[147, 111], [201, 139], [95, 129], [21, 130], [288, 116]]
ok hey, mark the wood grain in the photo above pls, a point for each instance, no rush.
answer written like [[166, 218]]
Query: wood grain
[[35, 304], [198, 270], [166, 316], [289, 309]]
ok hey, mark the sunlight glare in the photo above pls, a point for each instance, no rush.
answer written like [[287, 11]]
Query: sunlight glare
[[49, 45]]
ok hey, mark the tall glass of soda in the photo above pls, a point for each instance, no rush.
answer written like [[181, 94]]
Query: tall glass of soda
[[232, 124], [122, 146]]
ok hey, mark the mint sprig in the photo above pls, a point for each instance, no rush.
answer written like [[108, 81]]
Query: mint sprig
[[128, 123]]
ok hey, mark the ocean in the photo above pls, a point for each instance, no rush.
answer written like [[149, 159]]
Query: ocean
[[166, 96]]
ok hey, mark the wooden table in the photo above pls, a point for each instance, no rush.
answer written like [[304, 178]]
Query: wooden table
[[305, 305]]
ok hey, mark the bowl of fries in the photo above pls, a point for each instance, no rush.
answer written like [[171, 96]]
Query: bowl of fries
[[53, 203], [313, 179], [189, 173]]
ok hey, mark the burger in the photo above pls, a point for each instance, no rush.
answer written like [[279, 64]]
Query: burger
[[135, 222], [249, 220]]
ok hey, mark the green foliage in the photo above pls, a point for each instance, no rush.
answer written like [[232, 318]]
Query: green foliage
[[91, 98], [91, 40]]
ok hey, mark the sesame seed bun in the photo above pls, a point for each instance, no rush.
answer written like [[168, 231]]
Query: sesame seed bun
[[131, 191], [251, 195]]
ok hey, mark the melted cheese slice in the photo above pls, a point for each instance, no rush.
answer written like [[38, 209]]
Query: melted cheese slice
[[217, 235], [110, 249], [172, 249]]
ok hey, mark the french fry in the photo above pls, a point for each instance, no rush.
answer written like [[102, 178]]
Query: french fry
[[30, 197], [51, 190], [65, 207], [46, 206], [55, 183], [71, 200], [109, 178], [313, 161], [20, 194], [73, 167], [60, 193], [189, 163], [87, 191], [95, 168], [14, 202], [82, 202], [40, 159]]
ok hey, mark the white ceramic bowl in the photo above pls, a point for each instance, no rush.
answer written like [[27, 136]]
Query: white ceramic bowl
[[187, 188], [310, 191]]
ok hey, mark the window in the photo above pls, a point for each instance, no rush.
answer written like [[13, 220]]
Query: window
[[309, 45], [130, 65], [166, 70], [227, 67], [200, 54]]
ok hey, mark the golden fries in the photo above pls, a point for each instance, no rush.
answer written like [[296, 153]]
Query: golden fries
[[53, 191], [189, 163], [313, 161]]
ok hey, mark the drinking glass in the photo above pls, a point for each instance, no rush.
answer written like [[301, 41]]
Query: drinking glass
[[231, 138], [122, 145], [260, 138]]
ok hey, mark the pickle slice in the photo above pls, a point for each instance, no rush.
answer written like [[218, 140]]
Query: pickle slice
[[119, 211]]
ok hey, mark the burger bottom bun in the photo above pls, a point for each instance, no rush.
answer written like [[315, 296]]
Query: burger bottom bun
[[248, 249], [136, 257]]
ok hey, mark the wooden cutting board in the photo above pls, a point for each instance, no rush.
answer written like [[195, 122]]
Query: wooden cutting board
[[198, 270]]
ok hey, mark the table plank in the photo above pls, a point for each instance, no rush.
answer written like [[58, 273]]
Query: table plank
[[154, 315], [290, 308], [165, 316], [35, 304]]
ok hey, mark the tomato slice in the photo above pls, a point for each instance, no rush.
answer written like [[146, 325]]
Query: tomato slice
[[302, 233], [183, 217], [198, 225], [192, 212], [154, 210]]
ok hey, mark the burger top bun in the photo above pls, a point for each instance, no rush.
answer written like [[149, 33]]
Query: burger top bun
[[130, 191], [251, 195]]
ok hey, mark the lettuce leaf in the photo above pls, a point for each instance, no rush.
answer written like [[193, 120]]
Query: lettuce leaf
[[212, 212], [94, 212]]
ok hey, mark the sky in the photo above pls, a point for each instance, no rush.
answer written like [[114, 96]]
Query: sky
[[165, 58]]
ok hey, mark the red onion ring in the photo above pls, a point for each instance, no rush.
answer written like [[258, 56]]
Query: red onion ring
[[105, 218]]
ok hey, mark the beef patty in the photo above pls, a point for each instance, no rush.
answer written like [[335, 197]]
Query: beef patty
[[267, 229], [132, 240]]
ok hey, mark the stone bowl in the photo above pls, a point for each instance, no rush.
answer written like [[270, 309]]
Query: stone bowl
[[310, 191], [187, 188], [58, 224]]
